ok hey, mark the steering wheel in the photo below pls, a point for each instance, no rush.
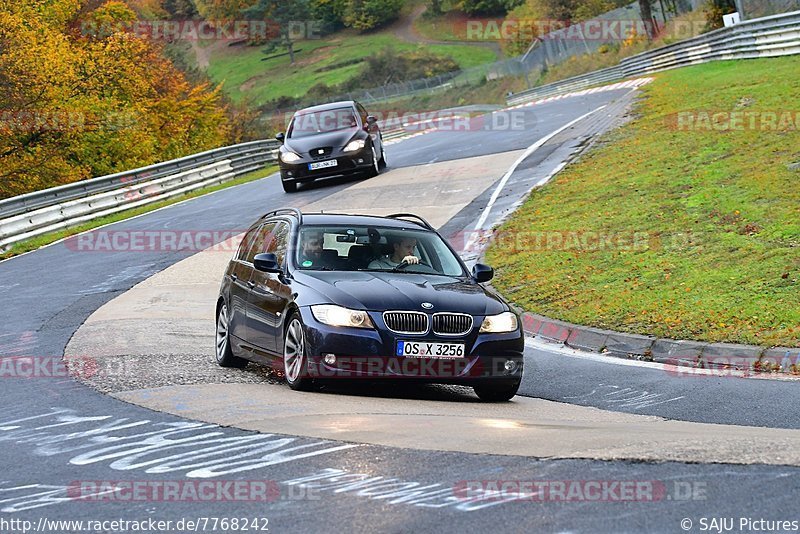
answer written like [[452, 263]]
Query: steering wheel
[[403, 265]]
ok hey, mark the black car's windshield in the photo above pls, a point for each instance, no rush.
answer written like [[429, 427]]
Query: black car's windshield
[[372, 248], [316, 122]]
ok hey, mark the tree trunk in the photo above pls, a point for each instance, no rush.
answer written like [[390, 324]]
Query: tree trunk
[[290, 46], [647, 17]]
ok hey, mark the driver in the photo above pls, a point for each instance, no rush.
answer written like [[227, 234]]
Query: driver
[[403, 252], [311, 252]]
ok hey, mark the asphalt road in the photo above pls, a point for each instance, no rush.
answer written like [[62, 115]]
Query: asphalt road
[[49, 293]]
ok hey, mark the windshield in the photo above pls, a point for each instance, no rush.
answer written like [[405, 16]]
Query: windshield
[[371, 248], [332, 120]]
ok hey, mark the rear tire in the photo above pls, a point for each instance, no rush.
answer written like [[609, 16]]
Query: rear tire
[[295, 359], [290, 186], [382, 161], [497, 392], [225, 357]]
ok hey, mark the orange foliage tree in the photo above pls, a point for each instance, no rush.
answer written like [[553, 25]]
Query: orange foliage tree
[[76, 104]]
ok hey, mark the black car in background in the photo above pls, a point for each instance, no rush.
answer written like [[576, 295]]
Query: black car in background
[[330, 140], [325, 296]]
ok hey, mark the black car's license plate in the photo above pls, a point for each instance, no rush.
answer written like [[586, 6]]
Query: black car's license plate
[[424, 349], [322, 164]]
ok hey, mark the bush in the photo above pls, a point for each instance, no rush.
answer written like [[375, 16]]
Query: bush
[[369, 14]]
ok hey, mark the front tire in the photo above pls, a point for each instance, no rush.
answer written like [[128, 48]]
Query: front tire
[[497, 392], [289, 186], [382, 161], [375, 169], [295, 360], [225, 357]]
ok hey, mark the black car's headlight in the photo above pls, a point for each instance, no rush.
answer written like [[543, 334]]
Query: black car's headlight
[[355, 144], [333, 315], [502, 322], [289, 157]]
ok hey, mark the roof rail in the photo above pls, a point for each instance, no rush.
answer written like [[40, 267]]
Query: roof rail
[[294, 211], [401, 215]]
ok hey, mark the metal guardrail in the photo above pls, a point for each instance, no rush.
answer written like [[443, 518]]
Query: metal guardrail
[[773, 36], [53, 195], [26, 216]]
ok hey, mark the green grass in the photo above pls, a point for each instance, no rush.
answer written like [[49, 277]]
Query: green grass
[[245, 76], [46, 239], [719, 211], [450, 26]]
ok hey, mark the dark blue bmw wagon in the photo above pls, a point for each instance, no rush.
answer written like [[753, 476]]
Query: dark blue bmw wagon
[[326, 296]]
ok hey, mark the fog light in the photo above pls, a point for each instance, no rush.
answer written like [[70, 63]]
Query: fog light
[[329, 359], [510, 366], [289, 173], [361, 160]]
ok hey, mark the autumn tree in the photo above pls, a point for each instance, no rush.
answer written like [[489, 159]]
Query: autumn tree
[[76, 104]]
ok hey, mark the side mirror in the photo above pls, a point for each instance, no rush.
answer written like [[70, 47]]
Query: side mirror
[[280, 137], [267, 262], [371, 119], [481, 272]]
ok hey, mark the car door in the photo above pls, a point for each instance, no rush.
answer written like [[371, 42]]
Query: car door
[[269, 294], [241, 271]]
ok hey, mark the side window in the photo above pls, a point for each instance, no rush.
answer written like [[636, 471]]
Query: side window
[[363, 113], [262, 236], [247, 243], [278, 241]]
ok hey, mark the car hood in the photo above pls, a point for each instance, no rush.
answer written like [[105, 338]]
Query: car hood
[[380, 291], [337, 139]]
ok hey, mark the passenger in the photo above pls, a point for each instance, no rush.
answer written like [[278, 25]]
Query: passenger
[[403, 252]]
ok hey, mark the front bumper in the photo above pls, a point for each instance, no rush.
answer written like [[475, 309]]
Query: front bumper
[[370, 354], [350, 163]]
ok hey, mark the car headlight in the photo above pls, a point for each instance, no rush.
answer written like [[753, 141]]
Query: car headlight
[[503, 322], [355, 144], [289, 157], [333, 315]]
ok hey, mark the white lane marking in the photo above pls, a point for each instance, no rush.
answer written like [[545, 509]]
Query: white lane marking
[[199, 450], [530, 150], [672, 369]]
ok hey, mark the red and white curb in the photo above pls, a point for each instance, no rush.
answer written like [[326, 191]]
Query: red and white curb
[[629, 84]]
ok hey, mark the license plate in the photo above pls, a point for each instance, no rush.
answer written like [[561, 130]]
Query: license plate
[[423, 349], [322, 164]]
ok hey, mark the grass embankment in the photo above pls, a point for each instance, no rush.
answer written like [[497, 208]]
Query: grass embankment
[[52, 237], [332, 61], [718, 209]]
